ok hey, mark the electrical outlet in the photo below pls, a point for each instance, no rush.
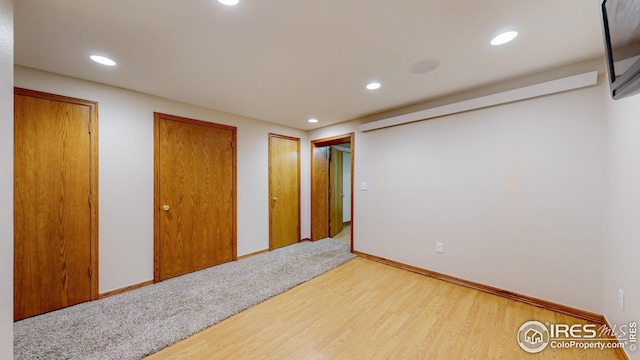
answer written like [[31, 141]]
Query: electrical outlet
[[440, 248], [621, 299]]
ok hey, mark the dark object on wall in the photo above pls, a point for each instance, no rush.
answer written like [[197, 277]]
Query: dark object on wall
[[621, 32]]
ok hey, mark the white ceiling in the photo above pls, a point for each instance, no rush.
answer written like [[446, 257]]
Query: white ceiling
[[285, 61]]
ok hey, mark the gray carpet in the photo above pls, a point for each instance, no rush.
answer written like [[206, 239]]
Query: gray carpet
[[143, 321]]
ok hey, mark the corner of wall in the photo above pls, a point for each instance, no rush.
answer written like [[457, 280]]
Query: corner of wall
[[621, 249], [6, 179]]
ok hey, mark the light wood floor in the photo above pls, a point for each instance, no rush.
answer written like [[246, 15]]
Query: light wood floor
[[345, 234], [367, 310]]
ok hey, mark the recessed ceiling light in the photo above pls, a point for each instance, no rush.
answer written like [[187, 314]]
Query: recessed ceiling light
[[504, 38], [229, 2], [313, 121], [103, 60], [373, 85]]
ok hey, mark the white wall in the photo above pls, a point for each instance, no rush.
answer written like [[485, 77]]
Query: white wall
[[622, 231], [126, 173], [6, 179], [515, 193]]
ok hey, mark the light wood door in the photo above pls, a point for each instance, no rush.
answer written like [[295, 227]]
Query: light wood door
[[195, 212], [55, 202], [284, 191], [335, 192]]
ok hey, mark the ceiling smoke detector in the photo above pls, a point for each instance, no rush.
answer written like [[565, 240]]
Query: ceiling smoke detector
[[423, 66]]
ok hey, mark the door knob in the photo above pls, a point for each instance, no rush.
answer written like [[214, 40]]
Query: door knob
[[274, 199], [165, 207]]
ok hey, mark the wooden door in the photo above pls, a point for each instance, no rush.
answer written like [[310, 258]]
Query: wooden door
[[284, 191], [55, 202], [335, 192], [319, 193], [195, 199]]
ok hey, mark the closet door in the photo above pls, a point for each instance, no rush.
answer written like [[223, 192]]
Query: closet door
[[55, 202], [195, 196], [284, 191]]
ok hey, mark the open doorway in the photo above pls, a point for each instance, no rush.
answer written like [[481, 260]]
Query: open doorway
[[332, 161], [340, 192]]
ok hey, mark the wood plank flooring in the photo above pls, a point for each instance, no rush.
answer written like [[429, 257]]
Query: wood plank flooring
[[367, 310], [345, 234]]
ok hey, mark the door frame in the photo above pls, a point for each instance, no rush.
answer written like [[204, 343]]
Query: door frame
[[93, 187], [336, 199], [297, 140], [156, 184], [318, 143]]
